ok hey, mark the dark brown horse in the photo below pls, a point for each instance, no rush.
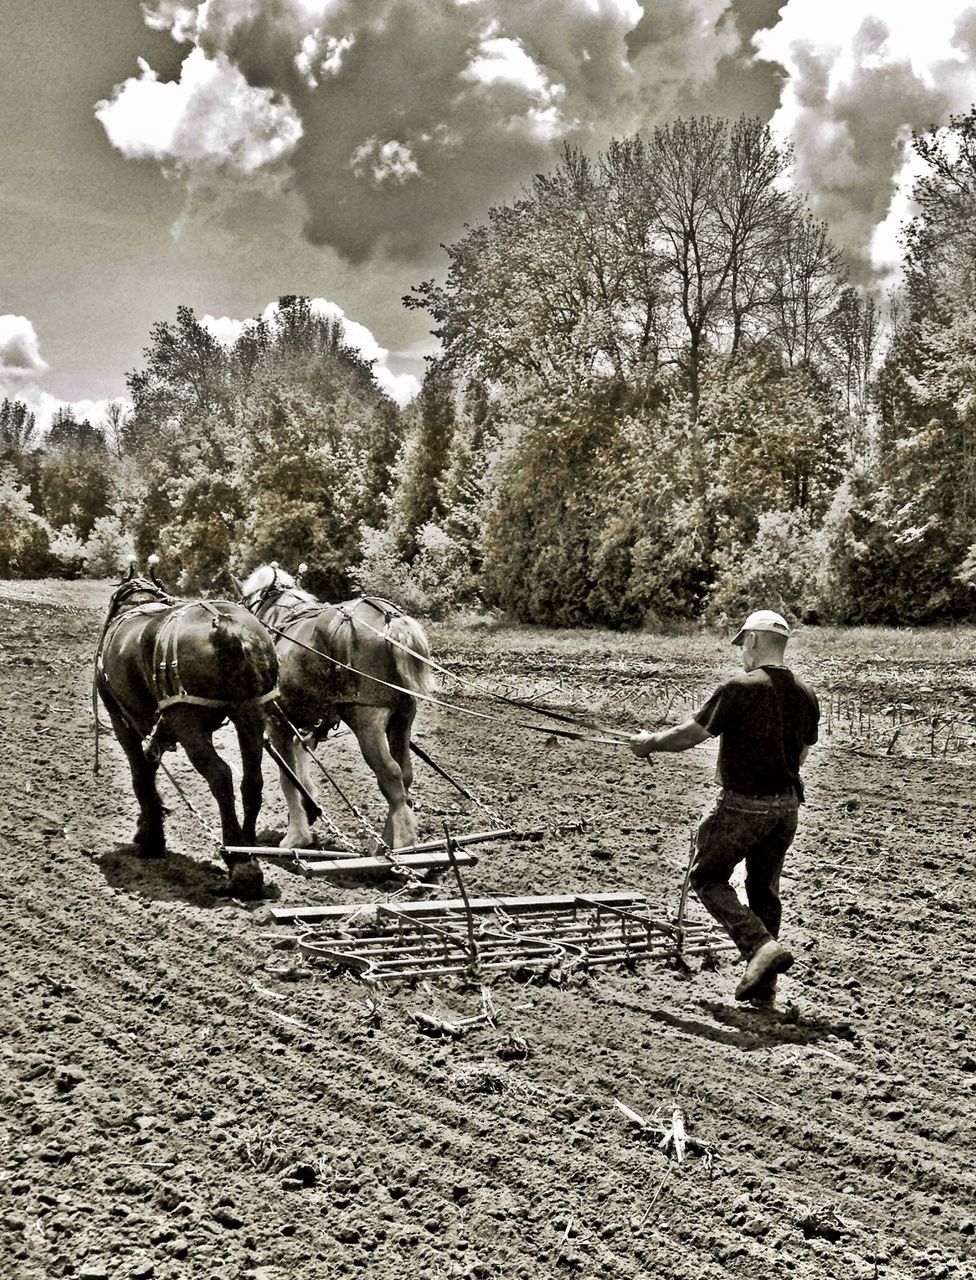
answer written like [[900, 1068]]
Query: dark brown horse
[[317, 644], [170, 672]]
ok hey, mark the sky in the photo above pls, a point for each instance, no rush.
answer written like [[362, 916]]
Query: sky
[[223, 153]]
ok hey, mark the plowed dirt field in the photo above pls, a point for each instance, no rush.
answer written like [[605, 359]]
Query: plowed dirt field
[[182, 1098]]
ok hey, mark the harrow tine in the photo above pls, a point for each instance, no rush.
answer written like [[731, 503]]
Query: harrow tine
[[440, 939]]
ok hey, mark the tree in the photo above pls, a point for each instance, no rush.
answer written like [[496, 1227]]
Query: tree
[[923, 390], [18, 429], [74, 482], [116, 428], [811, 309], [417, 498], [940, 240], [252, 448], [852, 340], [305, 488], [25, 537], [716, 217], [187, 376], [552, 288], [547, 506], [671, 296], [773, 437], [781, 564], [107, 549]]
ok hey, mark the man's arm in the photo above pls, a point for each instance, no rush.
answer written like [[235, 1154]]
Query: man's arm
[[804, 752], [680, 738]]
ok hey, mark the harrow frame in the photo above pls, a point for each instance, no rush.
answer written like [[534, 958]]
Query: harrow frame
[[409, 941]]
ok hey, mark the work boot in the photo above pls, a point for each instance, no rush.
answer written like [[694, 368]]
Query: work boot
[[764, 996], [766, 961]]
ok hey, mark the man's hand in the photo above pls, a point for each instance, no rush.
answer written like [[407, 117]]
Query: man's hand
[[642, 744]]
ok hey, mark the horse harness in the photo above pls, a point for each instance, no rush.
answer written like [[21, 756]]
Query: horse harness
[[167, 686], [274, 590], [164, 676]]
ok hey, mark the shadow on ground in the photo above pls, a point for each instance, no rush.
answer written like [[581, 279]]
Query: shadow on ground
[[751, 1029], [175, 878]]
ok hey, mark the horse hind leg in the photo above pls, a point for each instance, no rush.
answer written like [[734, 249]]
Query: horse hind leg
[[369, 724], [246, 880], [249, 723], [398, 736], [149, 840], [197, 742]]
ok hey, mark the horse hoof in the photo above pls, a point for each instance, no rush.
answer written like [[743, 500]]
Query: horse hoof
[[147, 848], [246, 881], [298, 842]]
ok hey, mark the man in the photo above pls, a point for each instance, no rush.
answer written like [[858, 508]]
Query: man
[[766, 721]]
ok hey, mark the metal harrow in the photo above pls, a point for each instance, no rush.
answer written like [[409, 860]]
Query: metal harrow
[[385, 943]]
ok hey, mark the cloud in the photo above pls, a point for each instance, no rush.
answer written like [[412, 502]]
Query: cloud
[[859, 78], [399, 120], [21, 364], [20, 355], [500, 60], [45, 406], [400, 387], [385, 162], [209, 119]]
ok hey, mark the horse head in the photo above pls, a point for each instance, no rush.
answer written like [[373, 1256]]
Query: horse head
[[268, 585], [134, 589]]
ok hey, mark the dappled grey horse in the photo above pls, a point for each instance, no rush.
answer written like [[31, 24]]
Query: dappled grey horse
[[360, 662]]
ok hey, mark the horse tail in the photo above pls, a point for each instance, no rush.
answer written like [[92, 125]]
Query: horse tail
[[245, 672], [415, 674]]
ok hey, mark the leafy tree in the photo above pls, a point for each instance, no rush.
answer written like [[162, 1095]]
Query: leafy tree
[[305, 487], [924, 387], [25, 537], [278, 445], [380, 570], [187, 378], [441, 572], [852, 342], [424, 456], [116, 429], [676, 277], [558, 287], [651, 556], [74, 478], [780, 565], [18, 429], [717, 209], [543, 518], [812, 311], [108, 548], [940, 240], [862, 578], [67, 553], [437, 583], [773, 438]]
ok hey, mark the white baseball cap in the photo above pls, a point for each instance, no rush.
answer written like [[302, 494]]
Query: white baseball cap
[[763, 620]]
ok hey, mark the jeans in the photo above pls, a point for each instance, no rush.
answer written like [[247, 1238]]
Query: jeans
[[758, 830]]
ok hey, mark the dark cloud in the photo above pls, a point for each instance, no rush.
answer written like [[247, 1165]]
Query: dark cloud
[[396, 121], [415, 115], [859, 81]]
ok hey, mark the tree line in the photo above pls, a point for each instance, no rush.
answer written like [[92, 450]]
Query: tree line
[[658, 397]]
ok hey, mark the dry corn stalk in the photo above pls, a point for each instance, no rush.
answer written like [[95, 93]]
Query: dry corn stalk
[[633, 1116], [675, 1136], [440, 1027]]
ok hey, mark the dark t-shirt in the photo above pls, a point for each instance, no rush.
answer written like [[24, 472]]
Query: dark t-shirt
[[764, 719]]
